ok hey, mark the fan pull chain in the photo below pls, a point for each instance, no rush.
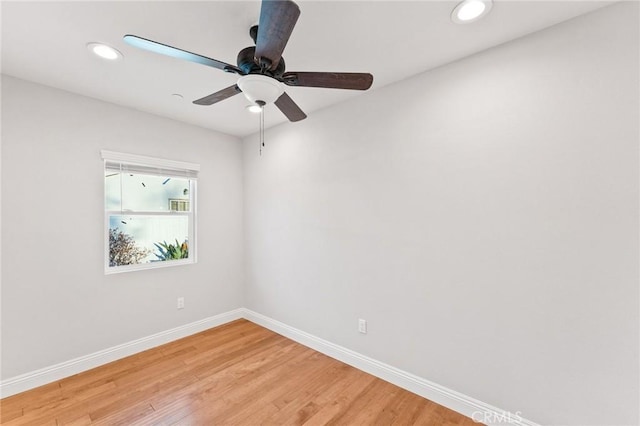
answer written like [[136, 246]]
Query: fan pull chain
[[262, 104]]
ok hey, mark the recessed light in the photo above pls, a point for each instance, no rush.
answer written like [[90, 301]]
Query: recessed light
[[177, 96], [104, 51], [470, 11]]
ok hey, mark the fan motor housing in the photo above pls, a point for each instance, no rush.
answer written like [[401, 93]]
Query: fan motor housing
[[247, 63]]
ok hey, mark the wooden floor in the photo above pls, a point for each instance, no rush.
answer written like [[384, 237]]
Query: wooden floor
[[235, 374]]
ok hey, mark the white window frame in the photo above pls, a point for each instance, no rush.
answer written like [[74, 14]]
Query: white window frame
[[158, 167]]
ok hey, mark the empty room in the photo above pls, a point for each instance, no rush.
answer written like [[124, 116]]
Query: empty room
[[276, 212]]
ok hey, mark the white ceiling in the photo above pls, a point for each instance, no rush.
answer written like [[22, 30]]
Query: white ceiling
[[45, 42]]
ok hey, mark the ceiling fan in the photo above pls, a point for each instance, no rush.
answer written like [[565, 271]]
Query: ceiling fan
[[261, 67]]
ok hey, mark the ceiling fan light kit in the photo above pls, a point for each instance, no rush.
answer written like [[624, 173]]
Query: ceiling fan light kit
[[470, 11], [255, 108], [261, 67], [257, 87]]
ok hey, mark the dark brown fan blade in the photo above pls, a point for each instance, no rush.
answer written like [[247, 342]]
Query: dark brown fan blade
[[174, 52], [277, 19], [220, 95], [331, 80], [289, 108]]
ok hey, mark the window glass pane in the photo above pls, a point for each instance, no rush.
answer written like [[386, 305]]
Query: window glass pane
[[145, 193], [144, 239], [112, 190]]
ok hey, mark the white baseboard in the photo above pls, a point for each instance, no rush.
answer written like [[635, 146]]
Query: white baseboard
[[463, 404], [56, 372], [470, 407]]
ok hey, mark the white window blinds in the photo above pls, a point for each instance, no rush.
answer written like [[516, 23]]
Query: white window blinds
[[140, 164]]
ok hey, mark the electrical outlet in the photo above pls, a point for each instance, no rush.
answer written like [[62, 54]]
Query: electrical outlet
[[180, 302], [362, 326]]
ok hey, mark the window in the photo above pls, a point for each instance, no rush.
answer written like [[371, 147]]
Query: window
[[150, 212], [181, 205]]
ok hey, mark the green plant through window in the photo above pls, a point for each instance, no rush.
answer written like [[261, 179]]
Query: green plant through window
[[171, 252]]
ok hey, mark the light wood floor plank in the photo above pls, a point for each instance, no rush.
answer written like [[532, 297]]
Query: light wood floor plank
[[235, 374]]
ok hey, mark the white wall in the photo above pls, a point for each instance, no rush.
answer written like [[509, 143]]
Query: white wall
[[482, 217], [57, 304]]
